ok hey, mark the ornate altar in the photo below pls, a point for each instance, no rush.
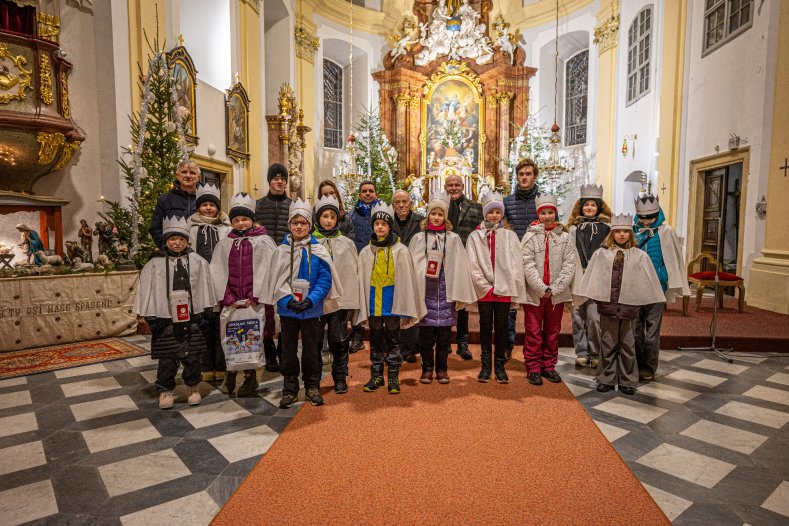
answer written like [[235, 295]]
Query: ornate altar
[[450, 92], [287, 139]]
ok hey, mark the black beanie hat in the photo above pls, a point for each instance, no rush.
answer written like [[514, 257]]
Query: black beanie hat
[[239, 209], [380, 214], [211, 198], [275, 170]]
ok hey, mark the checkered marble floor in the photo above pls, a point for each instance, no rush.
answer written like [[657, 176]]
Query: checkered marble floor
[[706, 438], [89, 445]]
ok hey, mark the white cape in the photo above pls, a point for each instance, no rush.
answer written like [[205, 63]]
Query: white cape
[[640, 284], [460, 288], [407, 302], [675, 266], [346, 263], [507, 277], [151, 299], [281, 274], [262, 250]]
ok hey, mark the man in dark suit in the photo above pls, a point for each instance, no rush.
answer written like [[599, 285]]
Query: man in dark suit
[[465, 215]]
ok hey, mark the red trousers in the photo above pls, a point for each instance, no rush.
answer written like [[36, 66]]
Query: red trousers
[[541, 341]]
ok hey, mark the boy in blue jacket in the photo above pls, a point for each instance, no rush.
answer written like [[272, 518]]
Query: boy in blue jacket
[[304, 277]]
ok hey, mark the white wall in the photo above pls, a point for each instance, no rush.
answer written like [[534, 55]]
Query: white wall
[[205, 26], [730, 90], [280, 57]]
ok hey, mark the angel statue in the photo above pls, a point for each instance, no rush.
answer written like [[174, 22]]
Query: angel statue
[[506, 40], [402, 46]]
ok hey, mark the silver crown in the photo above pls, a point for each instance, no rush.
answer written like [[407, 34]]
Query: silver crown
[[207, 189], [244, 200], [302, 208], [546, 200], [326, 200], [382, 207], [647, 204], [622, 222], [489, 197], [175, 225], [440, 200], [591, 191]]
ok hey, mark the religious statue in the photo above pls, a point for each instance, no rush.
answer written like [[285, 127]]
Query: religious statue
[[31, 243], [506, 40], [106, 234], [86, 238], [454, 31]]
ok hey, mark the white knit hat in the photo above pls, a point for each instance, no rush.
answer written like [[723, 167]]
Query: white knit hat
[[622, 222], [302, 208], [491, 200]]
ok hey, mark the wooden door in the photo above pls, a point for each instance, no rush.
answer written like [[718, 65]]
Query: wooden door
[[715, 186]]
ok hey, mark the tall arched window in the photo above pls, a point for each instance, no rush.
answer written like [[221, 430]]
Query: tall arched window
[[638, 55], [575, 98], [332, 104]]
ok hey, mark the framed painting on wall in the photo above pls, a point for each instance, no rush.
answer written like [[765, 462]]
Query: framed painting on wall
[[184, 76], [237, 123]]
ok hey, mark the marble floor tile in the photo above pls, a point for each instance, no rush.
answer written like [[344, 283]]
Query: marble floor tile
[[577, 390], [769, 394], [118, 435], [779, 378], [81, 371], [611, 432], [244, 444], [210, 414], [142, 472], [720, 366], [149, 375], [13, 425], [687, 465], [22, 456], [667, 392], [28, 503], [196, 510], [779, 500], [672, 505], [748, 359], [103, 407], [15, 399], [667, 356], [95, 385], [569, 352], [725, 436], [631, 409], [755, 414], [141, 361], [692, 377], [10, 382]]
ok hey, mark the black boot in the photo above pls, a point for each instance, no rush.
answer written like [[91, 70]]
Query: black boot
[[393, 380], [272, 361], [487, 363], [339, 365], [501, 372]]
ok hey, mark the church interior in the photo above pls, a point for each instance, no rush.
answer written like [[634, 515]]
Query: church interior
[[677, 99]]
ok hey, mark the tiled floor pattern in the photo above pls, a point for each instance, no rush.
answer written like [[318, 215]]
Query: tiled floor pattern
[[708, 439], [90, 446]]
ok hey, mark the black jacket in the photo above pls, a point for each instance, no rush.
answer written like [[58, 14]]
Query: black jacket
[[362, 226], [175, 203], [520, 209], [346, 227], [271, 211], [409, 227], [470, 217]]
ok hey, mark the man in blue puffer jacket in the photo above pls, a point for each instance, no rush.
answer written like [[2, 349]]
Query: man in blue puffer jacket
[[360, 215]]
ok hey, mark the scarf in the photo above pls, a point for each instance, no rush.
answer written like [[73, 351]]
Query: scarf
[[365, 209], [525, 195], [390, 239], [433, 228], [321, 232]]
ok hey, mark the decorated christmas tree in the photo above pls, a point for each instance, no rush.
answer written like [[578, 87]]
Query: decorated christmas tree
[[150, 162]]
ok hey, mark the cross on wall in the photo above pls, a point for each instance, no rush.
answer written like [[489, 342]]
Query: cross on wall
[[785, 167]]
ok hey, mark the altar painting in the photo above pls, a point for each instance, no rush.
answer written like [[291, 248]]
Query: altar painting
[[452, 115]]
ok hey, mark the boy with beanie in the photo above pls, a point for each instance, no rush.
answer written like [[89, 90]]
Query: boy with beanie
[[240, 267], [389, 297], [661, 243], [176, 297], [303, 276]]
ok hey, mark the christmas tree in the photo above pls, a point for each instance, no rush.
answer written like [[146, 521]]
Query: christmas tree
[[150, 162], [371, 158]]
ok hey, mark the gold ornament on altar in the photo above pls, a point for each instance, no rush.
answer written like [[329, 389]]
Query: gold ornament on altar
[[11, 79], [453, 67], [64, 95], [48, 27], [49, 144], [45, 80], [286, 100], [68, 150]]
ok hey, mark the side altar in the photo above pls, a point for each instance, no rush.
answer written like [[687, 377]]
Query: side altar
[[450, 93]]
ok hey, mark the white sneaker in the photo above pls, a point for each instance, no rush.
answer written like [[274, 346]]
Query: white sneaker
[[166, 400], [193, 395]]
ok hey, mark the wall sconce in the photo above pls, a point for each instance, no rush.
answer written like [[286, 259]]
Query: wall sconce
[[761, 207], [624, 145]]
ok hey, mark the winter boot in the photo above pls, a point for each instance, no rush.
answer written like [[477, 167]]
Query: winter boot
[[339, 365], [500, 372], [272, 361], [193, 395], [229, 385], [375, 383], [166, 400], [487, 359], [250, 385], [393, 380], [313, 395]]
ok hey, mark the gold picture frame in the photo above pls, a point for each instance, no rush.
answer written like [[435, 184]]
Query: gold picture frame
[[237, 123], [184, 75]]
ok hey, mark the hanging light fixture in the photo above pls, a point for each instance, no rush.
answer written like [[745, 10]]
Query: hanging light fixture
[[555, 168]]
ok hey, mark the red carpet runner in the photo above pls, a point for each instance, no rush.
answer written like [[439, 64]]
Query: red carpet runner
[[463, 453]]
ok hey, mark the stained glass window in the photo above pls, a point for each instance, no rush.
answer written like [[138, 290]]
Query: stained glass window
[[332, 104], [575, 98], [639, 40]]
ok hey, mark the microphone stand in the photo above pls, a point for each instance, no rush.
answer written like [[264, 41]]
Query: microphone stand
[[719, 351]]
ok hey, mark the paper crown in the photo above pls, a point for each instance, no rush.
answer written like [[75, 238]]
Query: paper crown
[[647, 205], [172, 226], [382, 208], [544, 200], [591, 191], [622, 222], [440, 200], [302, 208], [242, 200], [491, 200], [207, 190], [326, 200]]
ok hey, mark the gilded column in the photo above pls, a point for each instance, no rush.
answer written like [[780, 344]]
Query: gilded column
[[413, 152], [606, 36], [306, 46], [251, 77], [768, 286]]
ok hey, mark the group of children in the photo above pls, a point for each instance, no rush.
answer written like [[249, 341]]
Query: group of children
[[318, 283]]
